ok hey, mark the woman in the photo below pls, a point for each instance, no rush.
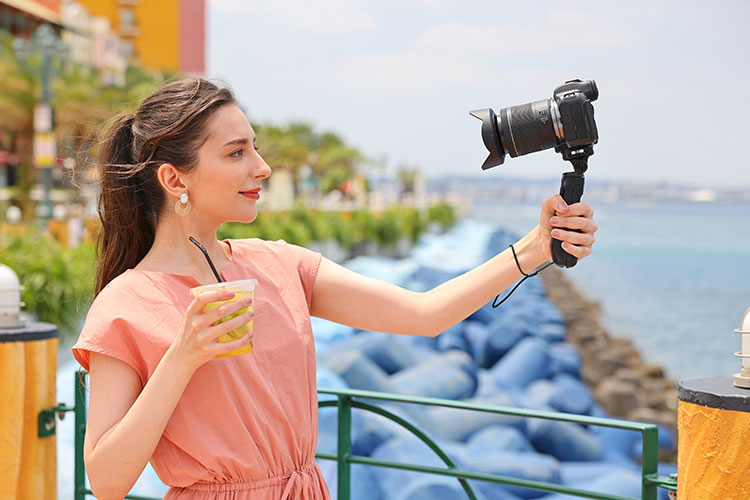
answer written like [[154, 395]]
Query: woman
[[242, 426]]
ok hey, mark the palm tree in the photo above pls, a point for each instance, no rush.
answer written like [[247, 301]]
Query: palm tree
[[336, 162], [289, 148]]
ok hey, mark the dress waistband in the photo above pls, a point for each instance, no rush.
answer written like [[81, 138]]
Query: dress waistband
[[290, 478]]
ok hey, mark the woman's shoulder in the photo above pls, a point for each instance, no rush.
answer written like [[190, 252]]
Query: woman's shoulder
[[122, 286], [259, 245], [254, 247], [127, 293]]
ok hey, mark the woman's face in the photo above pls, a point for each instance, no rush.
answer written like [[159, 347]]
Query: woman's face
[[225, 186]]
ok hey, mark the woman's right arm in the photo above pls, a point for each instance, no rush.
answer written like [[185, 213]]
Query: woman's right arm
[[126, 421]]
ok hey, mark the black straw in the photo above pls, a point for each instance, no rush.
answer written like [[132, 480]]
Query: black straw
[[205, 252]]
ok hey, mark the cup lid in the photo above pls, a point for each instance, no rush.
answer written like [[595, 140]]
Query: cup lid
[[236, 286]]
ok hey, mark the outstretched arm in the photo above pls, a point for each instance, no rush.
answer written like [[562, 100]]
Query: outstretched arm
[[349, 298]]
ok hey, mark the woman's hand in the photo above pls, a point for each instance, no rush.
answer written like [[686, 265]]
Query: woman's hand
[[557, 216], [198, 341]]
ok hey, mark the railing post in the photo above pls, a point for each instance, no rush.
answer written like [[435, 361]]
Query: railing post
[[80, 429], [650, 461], [344, 446]]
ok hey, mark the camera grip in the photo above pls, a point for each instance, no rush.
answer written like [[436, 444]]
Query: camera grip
[[571, 190]]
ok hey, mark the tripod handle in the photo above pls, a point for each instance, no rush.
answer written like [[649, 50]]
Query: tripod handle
[[571, 190]]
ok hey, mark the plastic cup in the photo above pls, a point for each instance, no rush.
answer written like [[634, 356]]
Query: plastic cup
[[241, 289]]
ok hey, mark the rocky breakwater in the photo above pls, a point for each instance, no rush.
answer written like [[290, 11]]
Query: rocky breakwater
[[622, 382], [521, 354]]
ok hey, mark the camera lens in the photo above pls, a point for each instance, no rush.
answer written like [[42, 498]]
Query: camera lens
[[519, 130], [528, 127]]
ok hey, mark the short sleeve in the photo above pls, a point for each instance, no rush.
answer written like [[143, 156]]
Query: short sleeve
[[107, 331], [308, 262]]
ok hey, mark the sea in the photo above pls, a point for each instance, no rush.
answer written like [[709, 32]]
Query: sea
[[673, 277]]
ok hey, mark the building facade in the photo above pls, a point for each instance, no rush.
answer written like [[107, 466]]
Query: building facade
[[159, 34], [22, 17]]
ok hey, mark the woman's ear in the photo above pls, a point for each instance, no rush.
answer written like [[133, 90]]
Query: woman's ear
[[171, 180]]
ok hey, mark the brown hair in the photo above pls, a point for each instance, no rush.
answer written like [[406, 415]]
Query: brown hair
[[169, 127]]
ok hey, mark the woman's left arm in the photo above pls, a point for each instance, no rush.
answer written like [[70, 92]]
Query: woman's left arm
[[362, 302]]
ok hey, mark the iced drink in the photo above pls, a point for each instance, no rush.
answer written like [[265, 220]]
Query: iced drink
[[241, 289]]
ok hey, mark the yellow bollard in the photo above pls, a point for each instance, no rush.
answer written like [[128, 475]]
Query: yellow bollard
[[12, 390], [28, 367], [713, 424]]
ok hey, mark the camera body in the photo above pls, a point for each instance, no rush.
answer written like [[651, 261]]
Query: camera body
[[577, 113], [565, 122]]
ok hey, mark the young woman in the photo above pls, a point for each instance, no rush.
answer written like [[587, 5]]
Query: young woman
[[240, 427]]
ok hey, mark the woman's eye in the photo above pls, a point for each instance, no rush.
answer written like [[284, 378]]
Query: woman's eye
[[237, 153]]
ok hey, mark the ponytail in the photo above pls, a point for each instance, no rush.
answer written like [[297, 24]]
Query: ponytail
[[169, 127], [127, 205]]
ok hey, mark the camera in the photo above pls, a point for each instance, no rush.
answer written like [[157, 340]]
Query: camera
[[565, 122]]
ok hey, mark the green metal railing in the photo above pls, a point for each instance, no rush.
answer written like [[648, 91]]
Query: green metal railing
[[347, 399]]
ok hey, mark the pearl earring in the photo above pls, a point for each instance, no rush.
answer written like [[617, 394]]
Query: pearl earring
[[183, 206]]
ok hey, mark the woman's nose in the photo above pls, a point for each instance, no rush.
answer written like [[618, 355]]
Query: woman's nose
[[263, 169]]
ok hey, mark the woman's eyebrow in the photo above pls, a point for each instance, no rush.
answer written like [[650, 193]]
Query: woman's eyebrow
[[243, 140]]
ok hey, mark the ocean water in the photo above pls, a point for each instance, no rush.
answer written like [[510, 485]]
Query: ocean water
[[674, 278]]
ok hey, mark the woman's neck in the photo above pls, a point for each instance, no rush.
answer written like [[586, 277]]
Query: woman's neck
[[173, 252]]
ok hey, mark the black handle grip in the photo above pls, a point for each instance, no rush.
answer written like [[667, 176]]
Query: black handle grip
[[571, 190]]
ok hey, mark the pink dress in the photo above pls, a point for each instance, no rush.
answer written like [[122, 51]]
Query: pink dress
[[246, 426]]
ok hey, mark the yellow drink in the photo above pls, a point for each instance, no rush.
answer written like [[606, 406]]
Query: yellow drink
[[241, 289]]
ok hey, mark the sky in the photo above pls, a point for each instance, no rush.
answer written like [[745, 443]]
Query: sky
[[397, 79]]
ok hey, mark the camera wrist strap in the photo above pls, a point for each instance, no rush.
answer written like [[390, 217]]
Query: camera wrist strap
[[496, 304]]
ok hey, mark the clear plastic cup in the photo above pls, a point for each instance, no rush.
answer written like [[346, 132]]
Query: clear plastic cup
[[241, 289]]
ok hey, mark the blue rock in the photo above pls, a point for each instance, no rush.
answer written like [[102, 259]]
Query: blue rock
[[551, 332], [498, 242], [390, 352], [423, 343], [450, 375], [615, 482], [327, 331], [329, 380], [549, 313], [368, 431], [364, 483], [453, 339], [619, 441], [526, 362], [565, 358], [487, 386], [538, 394], [459, 425], [494, 438], [527, 466], [405, 450], [578, 473], [563, 440], [485, 314], [357, 370], [476, 335], [503, 335], [570, 396], [666, 441], [438, 488]]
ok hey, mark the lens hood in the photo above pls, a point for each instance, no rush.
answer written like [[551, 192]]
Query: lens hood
[[490, 137]]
